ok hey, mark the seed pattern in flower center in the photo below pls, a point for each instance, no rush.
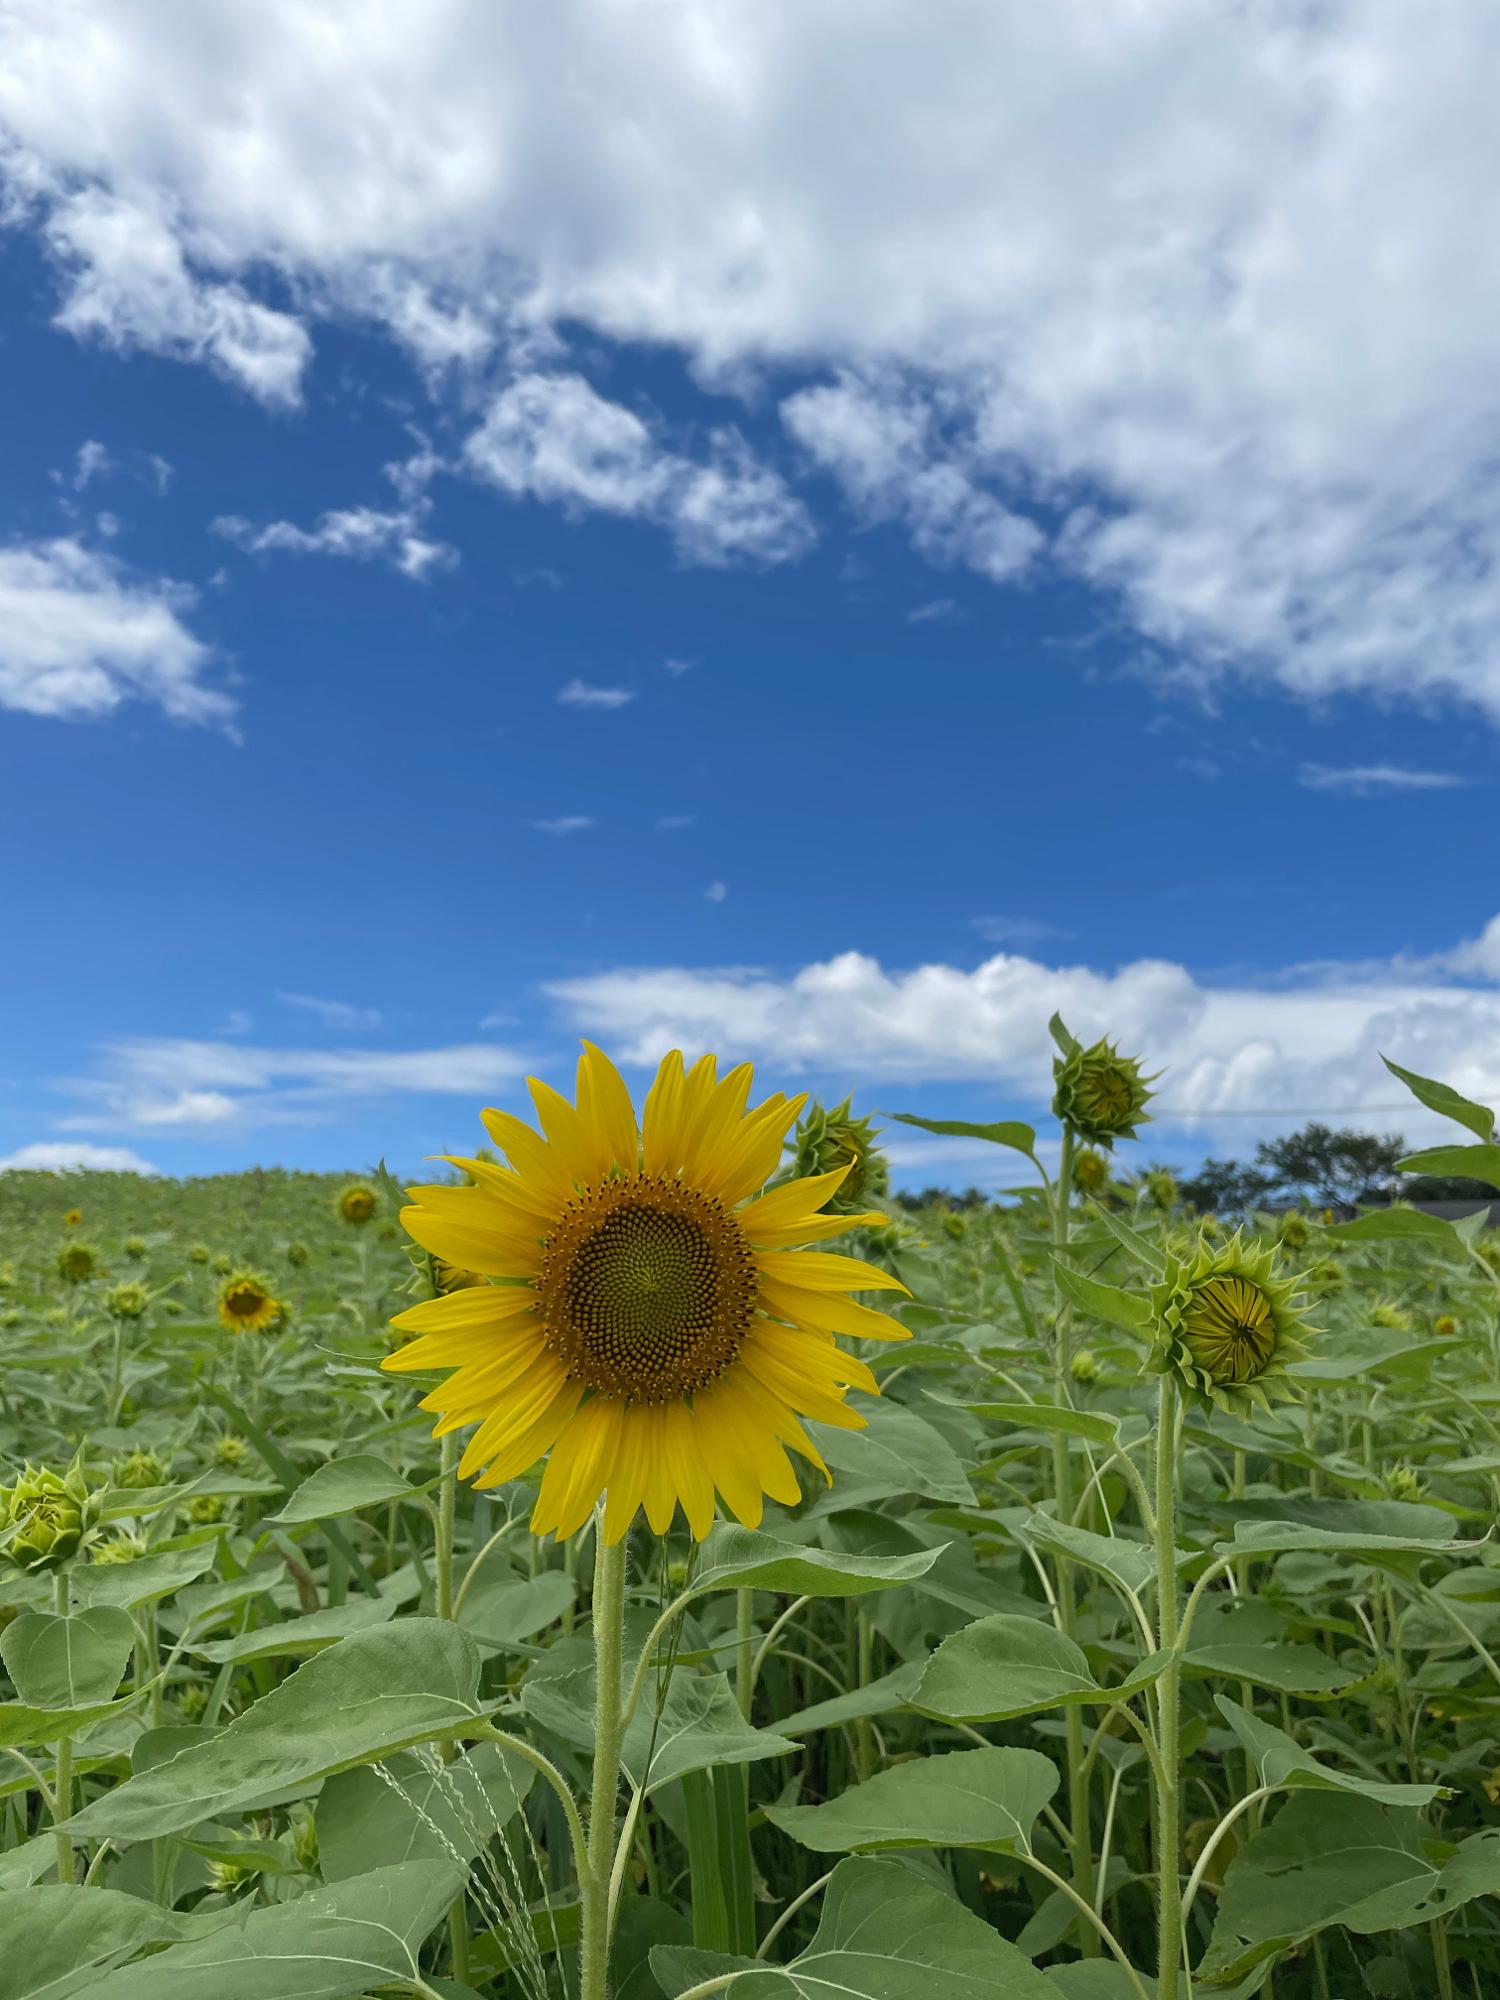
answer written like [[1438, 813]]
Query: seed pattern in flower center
[[647, 1288], [244, 1301], [1228, 1329]]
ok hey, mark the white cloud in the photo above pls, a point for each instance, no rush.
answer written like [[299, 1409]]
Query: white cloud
[[159, 1083], [1022, 931], [131, 287], [1307, 1043], [937, 610], [364, 533], [1201, 282], [554, 438], [568, 823], [333, 1013], [63, 1156], [1360, 779], [678, 668], [674, 822], [716, 891], [587, 694], [80, 634], [93, 462]]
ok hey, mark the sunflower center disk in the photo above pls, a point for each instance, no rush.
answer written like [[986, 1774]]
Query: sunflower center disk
[[1229, 1329], [647, 1289]]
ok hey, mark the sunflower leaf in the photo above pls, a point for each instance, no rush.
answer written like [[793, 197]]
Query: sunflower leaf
[[967, 1798], [1444, 1099], [1008, 1132], [742, 1558], [1003, 1666], [345, 1485], [60, 1662]]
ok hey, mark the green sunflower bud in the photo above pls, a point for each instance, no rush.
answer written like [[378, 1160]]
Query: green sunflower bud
[[230, 1450], [1403, 1482], [1385, 1312], [135, 1247], [1293, 1230], [1090, 1172], [1228, 1325], [1161, 1188], [127, 1301], [199, 1254], [1084, 1366], [140, 1468], [1100, 1093], [826, 1140], [223, 1263], [192, 1700], [123, 1549], [206, 1508], [1445, 1325], [357, 1204], [47, 1514], [296, 1254], [77, 1263]]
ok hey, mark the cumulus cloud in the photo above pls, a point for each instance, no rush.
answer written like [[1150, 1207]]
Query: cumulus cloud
[[80, 634], [554, 438], [1197, 286], [164, 1083], [1308, 1044], [62, 1156], [366, 534]]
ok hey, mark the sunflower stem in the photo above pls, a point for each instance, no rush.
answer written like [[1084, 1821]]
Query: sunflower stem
[[1081, 1850], [593, 1890], [442, 1562], [1168, 1772], [62, 1777]]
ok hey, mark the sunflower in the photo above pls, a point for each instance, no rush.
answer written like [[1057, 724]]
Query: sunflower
[[246, 1304], [1229, 1325], [73, 1217], [657, 1330], [357, 1204]]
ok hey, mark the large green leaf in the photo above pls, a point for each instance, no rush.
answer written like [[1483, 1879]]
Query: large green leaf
[[416, 1808], [22, 1724], [1444, 1099], [146, 1579], [53, 1939], [288, 1638], [700, 1726], [896, 1453], [379, 1691], [879, 1697], [1094, 1426], [1330, 1860], [328, 1944], [1403, 1553], [1128, 1562], [736, 1558], [506, 1614], [343, 1486], [1099, 1301], [1399, 1224], [884, 1935], [968, 1798], [74, 1662], [1475, 1163], [1289, 1666], [1004, 1666], [1283, 1763], [1007, 1132]]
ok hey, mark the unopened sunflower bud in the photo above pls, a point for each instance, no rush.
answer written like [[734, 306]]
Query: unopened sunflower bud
[[48, 1513], [77, 1263], [356, 1205], [829, 1139], [126, 1301], [140, 1468], [1090, 1172], [1100, 1093], [1228, 1325], [1161, 1188], [1445, 1325]]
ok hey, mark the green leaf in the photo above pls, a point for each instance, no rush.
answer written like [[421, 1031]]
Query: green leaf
[[968, 1798], [502, 1615], [1475, 1163], [290, 1637], [1128, 1562], [1329, 1860], [72, 1662], [896, 1453], [1284, 1764], [54, 1938], [891, 1691], [144, 1581], [421, 1810], [1398, 1224], [1092, 1425], [1147, 1254], [328, 1944], [22, 1724], [1004, 1666], [1009, 1132], [1402, 1553], [1286, 1665], [411, 1682], [1106, 1302], [701, 1724], [1444, 1099], [735, 1558], [344, 1485], [884, 1935]]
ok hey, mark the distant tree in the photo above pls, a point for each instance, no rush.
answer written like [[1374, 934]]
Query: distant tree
[[1335, 1168], [1222, 1186]]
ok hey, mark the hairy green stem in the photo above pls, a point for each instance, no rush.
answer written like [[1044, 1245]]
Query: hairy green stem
[[1168, 1700], [593, 1890], [442, 1562]]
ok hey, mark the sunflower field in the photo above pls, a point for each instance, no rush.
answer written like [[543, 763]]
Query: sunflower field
[[641, 1561]]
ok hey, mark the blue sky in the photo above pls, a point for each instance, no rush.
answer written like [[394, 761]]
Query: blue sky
[[834, 614]]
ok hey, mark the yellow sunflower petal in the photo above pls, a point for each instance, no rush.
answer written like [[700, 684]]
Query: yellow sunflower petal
[[793, 1199], [479, 1305], [526, 1447], [821, 1271], [529, 1153], [472, 1246], [478, 1388], [659, 1492], [811, 1229], [515, 1414], [829, 1312], [507, 1187], [605, 1106], [746, 1158], [579, 1468], [630, 1473], [706, 1134], [564, 1132], [685, 1468]]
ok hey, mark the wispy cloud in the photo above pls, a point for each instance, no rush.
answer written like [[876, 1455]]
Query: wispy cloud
[[584, 694], [363, 534], [679, 667], [333, 1013], [674, 822], [1021, 931], [568, 823], [716, 891], [934, 612], [1359, 779]]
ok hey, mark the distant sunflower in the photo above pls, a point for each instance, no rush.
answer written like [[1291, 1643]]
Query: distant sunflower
[[247, 1305], [73, 1217], [357, 1204], [660, 1333]]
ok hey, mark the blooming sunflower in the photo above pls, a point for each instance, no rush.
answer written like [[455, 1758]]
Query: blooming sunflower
[[246, 1304], [658, 1330]]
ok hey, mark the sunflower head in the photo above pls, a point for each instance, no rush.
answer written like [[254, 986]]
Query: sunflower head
[[126, 1301], [296, 1255], [77, 1263], [1161, 1188], [72, 1219], [1084, 1366], [122, 1549], [247, 1304], [829, 1140], [206, 1508], [1229, 1325], [230, 1450], [1293, 1230], [1403, 1481], [135, 1248], [140, 1468], [199, 1254], [48, 1513], [357, 1204], [1090, 1171], [1099, 1092], [657, 1326], [1445, 1325]]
